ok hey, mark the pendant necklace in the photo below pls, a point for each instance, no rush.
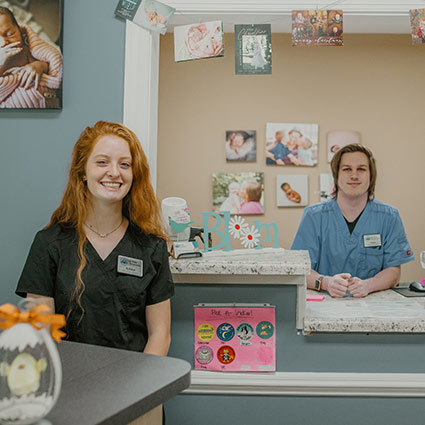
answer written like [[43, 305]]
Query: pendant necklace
[[104, 235]]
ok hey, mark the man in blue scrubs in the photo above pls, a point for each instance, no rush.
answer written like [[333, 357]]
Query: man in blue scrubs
[[356, 243]]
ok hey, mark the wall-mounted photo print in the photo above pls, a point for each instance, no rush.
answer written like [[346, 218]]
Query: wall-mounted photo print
[[241, 145], [291, 144], [317, 28], [417, 25], [291, 190], [150, 14], [326, 186], [238, 193], [31, 56], [340, 138], [198, 41], [253, 49]]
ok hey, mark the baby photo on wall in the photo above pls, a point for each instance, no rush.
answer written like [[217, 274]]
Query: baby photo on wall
[[198, 41], [417, 25], [291, 190], [326, 186], [238, 193], [253, 52], [31, 55], [291, 144], [340, 138], [241, 145], [150, 14]]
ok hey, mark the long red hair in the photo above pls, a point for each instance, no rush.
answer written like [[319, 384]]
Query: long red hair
[[140, 206]]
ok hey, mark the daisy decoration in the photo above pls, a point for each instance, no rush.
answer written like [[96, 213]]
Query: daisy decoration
[[236, 226], [250, 237]]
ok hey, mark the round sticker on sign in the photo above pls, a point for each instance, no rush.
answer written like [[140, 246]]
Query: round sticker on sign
[[205, 332], [265, 329], [226, 354], [204, 354], [225, 331], [245, 331]]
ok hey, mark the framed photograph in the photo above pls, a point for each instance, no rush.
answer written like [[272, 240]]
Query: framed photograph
[[340, 138], [291, 144], [198, 41], [417, 26], [292, 190], [31, 56], [253, 49], [238, 193], [317, 28], [150, 14], [241, 145], [326, 186]]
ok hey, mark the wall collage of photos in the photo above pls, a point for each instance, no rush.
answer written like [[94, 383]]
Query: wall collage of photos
[[287, 144]]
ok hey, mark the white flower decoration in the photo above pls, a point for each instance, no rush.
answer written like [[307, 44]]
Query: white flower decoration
[[250, 237], [237, 226]]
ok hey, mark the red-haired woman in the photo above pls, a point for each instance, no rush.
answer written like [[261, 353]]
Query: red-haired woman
[[102, 260]]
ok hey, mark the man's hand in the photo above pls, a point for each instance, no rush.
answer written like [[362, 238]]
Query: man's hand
[[358, 288], [9, 51], [30, 74], [336, 285]]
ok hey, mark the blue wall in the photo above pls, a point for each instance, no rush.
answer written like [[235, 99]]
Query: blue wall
[[36, 145]]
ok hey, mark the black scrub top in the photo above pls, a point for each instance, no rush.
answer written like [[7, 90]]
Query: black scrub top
[[114, 303]]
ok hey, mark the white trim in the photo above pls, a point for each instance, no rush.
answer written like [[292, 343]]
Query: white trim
[[141, 89], [308, 384]]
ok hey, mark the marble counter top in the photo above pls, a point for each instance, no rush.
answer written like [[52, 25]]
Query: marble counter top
[[380, 312], [267, 261]]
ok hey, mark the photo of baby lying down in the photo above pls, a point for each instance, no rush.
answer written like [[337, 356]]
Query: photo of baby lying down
[[291, 190]]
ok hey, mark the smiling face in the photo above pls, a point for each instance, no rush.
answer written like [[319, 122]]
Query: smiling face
[[354, 175], [108, 170], [9, 32]]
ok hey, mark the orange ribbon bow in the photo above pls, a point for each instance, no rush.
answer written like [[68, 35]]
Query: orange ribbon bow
[[37, 317]]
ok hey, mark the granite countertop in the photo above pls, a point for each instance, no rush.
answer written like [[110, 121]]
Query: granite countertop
[[267, 261], [379, 312]]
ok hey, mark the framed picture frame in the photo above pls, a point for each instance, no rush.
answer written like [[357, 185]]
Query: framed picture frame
[[32, 66]]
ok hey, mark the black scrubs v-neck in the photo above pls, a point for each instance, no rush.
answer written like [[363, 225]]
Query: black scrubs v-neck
[[114, 303]]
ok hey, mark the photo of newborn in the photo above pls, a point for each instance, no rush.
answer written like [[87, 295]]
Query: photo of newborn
[[340, 138], [292, 190], [241, 145], [198, 41]]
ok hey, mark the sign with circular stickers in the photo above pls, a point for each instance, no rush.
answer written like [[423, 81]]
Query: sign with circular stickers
[[265, 329], [226, 354], [225, 331], [206, 332], [204, 354]]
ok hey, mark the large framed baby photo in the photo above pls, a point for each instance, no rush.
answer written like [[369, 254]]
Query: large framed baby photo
[[31, 55], [238, 193], [291, 144]]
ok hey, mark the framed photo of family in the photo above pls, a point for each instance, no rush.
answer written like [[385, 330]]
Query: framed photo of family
[[291, 144], [31, 63], [238, 193]]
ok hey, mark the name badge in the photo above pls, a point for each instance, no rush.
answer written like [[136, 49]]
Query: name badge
[[128, 265], [370, 241]]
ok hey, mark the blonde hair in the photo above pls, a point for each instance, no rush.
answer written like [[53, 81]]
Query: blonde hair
[[140, 206]]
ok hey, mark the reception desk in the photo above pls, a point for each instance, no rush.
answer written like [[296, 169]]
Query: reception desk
[[106, 386]]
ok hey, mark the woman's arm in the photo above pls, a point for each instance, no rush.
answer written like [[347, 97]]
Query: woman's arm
[[158, 321]]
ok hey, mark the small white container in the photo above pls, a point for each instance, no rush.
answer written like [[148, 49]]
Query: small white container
[[176, 216]]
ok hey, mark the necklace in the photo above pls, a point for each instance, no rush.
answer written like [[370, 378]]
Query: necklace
[[104, 235]]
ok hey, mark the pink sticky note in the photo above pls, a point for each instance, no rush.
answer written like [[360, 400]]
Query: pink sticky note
[[315, 297]]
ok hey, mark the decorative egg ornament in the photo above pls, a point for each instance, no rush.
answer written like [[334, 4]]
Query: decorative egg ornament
[[30, 367]]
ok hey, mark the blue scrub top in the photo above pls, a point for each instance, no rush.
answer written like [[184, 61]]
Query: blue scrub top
[[323, 231]]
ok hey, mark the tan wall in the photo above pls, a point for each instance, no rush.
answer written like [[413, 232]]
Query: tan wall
[[374, 84]]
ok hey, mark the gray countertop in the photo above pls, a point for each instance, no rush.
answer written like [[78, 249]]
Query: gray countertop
[[106, 386], [379, 312], [267, 261]]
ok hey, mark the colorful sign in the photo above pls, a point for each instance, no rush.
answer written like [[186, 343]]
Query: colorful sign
[[235, 338]]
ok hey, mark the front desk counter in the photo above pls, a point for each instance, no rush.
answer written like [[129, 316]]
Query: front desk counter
[[106, 386], [258, 267], [379, 312]]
